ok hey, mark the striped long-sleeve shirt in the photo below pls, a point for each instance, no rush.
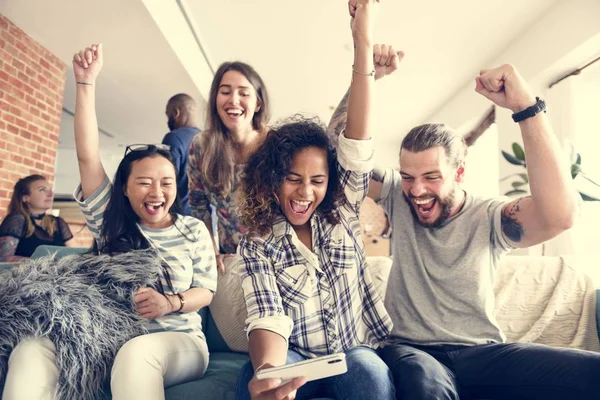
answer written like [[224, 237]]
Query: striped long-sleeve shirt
[[186, 246]]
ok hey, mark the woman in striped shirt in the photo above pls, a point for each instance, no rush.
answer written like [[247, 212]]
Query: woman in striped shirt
[[138, 210]]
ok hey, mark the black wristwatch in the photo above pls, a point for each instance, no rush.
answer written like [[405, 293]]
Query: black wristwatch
[[538, 107]]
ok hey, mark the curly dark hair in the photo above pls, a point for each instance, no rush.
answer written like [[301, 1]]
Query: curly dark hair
[[270, 164]]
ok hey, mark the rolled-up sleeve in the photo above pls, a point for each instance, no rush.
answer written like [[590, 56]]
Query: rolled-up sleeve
[[355, 155], [355, 163], [261, 294]]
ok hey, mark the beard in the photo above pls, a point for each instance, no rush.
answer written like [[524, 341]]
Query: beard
[[446, 204], [171, 123]]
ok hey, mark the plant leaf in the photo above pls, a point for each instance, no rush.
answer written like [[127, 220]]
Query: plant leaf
[[519, 152], [514, 192], [585, 197], [517, 185], [512, 159], [524, 177], [578, 160], [575, 169]]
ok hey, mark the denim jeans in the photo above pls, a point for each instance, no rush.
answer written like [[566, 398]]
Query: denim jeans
[[492, 371], [367, 378]]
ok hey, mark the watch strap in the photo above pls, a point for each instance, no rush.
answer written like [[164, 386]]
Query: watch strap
[[538, 107]]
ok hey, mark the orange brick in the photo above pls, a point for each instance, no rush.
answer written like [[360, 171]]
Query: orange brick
[[16, 32], [3, 23], [9, 118], [21, 123], [15, 111], [18, 65], [7, 37], [5, 87]]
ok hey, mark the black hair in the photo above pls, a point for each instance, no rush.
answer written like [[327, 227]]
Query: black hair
[[120, 232]]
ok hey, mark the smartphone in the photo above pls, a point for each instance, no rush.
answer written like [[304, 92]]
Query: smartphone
[[312, 369]]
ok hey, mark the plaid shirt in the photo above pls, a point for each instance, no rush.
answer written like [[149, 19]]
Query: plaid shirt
[[327, 293]]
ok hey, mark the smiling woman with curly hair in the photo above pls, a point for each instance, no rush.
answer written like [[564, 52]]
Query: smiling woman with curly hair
[[306, 284], [268, 169]]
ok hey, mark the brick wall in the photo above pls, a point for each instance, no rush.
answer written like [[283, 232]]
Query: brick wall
[[32, 81]]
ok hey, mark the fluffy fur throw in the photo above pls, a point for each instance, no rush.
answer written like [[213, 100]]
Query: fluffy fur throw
[[83, 304]]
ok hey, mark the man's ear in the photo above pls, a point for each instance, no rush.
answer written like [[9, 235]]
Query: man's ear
[[460, 173], [176, 113]]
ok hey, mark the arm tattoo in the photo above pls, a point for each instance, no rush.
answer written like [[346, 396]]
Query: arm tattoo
[[8, 246], [338, 119], [512, 228]]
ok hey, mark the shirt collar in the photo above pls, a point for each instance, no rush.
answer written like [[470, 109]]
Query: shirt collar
[[281, 226]]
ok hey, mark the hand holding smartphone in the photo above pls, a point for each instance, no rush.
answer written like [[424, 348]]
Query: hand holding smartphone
[[312, 369]]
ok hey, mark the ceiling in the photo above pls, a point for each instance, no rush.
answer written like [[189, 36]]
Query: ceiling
[[303, 51]]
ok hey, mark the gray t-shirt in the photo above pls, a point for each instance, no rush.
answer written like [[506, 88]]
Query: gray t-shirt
[[440, 289]]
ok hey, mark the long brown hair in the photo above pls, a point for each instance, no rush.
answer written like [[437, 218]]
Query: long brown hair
[[18, 206], [217, 165]]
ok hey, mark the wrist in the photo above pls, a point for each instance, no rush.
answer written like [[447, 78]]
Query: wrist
[[84, 83], [363, 42], [173, 302], [524, 104]]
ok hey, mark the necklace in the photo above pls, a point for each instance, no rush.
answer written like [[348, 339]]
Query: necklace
[[39, 217]]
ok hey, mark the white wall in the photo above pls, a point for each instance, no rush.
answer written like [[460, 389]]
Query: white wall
[[67, 169], [565, 37]]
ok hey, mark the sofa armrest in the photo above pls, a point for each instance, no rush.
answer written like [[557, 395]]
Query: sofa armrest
[[5, 266], [61, 251]]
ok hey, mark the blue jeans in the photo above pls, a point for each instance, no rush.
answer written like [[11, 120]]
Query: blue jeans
[[367, 378], [492, 371]]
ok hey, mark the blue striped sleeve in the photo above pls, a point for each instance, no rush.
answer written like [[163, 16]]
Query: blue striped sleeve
[[94, 206]]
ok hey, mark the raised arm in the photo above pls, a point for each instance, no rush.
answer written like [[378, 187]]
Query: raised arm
[[386, 61], [86, 65], [553, 203], [364, 14]]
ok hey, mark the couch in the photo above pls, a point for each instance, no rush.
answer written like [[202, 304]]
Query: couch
[[220, 378]]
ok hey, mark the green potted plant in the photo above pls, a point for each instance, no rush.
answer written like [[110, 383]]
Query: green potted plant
[[588, 188]]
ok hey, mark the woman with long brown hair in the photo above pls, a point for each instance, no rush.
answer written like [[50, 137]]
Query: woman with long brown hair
[[238, 113], [27, 224]]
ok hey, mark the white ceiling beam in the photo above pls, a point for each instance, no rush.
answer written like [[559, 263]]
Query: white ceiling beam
[[184, 38]]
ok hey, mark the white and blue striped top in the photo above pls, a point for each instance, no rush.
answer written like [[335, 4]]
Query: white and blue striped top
[[186, 246]]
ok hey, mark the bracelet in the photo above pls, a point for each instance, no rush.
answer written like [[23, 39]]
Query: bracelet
[[85, 83], [181, 301], [372, 73]]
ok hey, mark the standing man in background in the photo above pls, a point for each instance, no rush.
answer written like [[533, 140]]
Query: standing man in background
[[182, 115]]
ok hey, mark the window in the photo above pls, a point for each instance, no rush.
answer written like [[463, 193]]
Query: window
[[587, 143]]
